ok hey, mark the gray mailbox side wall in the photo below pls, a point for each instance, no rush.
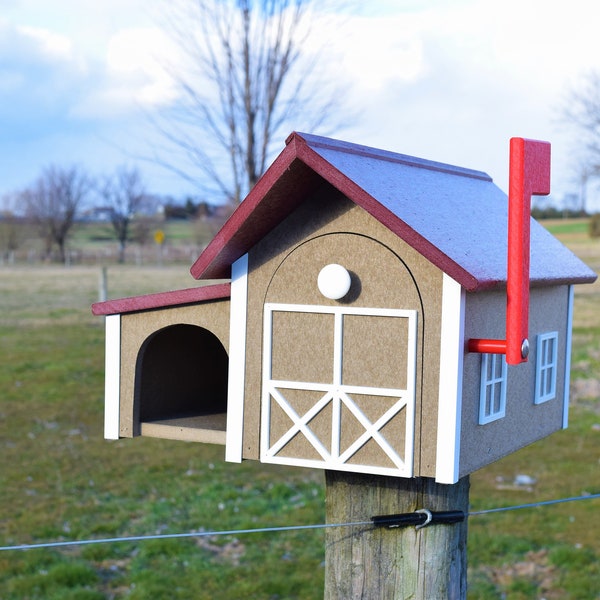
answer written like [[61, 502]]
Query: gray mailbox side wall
[[524, 421]]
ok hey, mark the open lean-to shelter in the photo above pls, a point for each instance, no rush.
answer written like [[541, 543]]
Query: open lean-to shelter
[[349, 283]]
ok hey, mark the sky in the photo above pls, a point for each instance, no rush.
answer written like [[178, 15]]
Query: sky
[[446, 80]]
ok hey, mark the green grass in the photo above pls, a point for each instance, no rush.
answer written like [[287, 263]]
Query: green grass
[[551, 537], [61, 481], [87, 234], [560, 227]]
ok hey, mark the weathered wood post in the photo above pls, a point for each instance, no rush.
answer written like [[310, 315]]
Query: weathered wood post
[[382, 563], [103, 284]]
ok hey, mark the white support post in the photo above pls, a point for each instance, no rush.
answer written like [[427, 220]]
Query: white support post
[[112, 377], [237, 360], [450, 390], [568, 344]]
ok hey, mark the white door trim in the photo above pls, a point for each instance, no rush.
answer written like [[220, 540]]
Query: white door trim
[[338, 393]]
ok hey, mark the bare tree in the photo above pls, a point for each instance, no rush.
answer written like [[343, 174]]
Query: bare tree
[[245, 73], [582, 110], [143, 229], [125, 196], [52, 203]]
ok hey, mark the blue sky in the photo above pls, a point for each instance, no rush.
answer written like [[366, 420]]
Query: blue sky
[[448, 80]]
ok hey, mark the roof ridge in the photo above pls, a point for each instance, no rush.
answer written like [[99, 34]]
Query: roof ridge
[[387, 155]]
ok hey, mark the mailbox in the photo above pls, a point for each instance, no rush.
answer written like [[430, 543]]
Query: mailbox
[[361, 290]]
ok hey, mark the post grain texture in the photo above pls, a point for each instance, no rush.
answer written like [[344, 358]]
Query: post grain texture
[[365, 562]]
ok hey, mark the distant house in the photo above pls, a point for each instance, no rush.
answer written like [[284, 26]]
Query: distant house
[[101, 214], [357, 278]]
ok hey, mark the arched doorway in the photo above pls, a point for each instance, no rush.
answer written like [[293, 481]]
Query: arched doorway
[[181, 380]]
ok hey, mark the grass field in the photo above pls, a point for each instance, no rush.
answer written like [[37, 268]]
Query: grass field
[[94, 243], [61, 481]]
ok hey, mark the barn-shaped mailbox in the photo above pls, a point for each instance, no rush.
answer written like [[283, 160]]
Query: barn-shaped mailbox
[[356, 278]]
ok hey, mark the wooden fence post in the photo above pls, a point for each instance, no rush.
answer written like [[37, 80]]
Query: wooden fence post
[[400, 563], [103, 284]]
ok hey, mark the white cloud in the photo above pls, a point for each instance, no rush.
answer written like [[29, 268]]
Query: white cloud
[[132, 76], [140, 53], [95, 57], [453, 81], [40, 78], [373, 51], [55, 46]]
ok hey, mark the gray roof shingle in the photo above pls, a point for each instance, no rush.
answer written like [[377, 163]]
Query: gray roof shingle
[[457, 218]]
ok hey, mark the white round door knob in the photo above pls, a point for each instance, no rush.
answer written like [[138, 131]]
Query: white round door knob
[[334, 281]]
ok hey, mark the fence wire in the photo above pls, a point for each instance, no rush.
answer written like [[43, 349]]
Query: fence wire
[[235, 532]]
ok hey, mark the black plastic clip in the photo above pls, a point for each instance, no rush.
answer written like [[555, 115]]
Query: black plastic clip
[[420, 518]]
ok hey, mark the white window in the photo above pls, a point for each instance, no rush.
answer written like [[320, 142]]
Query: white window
[[545, 371], [492, 394]]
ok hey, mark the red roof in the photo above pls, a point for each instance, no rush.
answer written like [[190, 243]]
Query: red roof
[[175, 298], [455, 217]]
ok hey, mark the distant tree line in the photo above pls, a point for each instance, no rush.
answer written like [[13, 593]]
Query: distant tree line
[[189, 209], [50, 206], [553, 212]]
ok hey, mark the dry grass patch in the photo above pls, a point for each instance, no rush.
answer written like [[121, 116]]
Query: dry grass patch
[[38, 296]]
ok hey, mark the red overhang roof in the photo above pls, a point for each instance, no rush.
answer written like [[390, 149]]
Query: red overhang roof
[[201, 293]]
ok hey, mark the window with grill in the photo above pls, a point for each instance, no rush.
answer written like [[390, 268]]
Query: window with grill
[[492, 395]]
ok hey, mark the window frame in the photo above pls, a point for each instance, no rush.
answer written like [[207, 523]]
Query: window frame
[[488, 387], [545, 363]]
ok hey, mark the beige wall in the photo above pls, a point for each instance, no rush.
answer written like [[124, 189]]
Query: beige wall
[[386, 272], [137, 327]]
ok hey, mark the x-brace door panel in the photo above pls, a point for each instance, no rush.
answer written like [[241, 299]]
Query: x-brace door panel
[[338, 388]]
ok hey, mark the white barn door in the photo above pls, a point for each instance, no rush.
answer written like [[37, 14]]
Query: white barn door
[[338, 388]]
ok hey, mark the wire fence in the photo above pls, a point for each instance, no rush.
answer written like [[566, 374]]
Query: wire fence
[[236, 532]]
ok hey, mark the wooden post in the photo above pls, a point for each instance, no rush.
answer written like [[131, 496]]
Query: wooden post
[[400, 563], [103, 284]]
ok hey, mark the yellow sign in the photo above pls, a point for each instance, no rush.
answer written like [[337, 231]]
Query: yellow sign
[[159, 236]]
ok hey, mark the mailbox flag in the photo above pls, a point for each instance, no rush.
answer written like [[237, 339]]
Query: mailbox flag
[[529, 175]]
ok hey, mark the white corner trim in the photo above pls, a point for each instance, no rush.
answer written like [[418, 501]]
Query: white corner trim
[[237, 360], [568, 342], [112, 377], [451, 375]]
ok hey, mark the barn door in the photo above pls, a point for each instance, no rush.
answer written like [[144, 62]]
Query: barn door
[[338, 389]]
